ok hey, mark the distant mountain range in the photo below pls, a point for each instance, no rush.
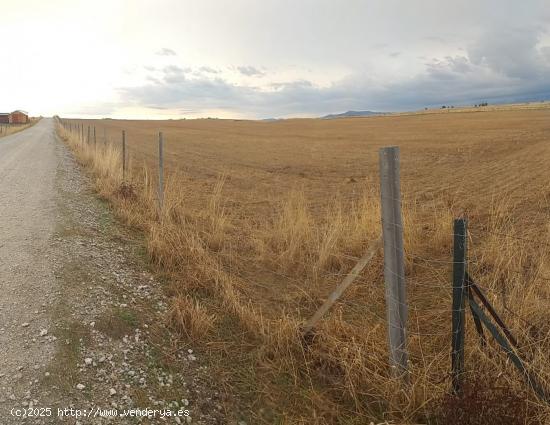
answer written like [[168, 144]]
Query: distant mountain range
[[347, 114], [351, 114]]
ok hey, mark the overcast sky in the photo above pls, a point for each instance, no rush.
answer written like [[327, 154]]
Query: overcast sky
[[268, 58]]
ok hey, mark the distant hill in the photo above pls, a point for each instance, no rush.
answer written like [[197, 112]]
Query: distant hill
[[351, 114]]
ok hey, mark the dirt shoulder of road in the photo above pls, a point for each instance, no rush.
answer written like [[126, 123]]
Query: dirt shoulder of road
[[113, 350]]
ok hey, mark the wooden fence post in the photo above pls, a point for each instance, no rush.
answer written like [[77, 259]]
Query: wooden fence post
[[459, 296], [123, 155], [161, 171], [394, 266], [95, 139]]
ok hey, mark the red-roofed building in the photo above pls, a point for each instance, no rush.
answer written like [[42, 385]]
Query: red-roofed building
[[15, 117], [19, 117]]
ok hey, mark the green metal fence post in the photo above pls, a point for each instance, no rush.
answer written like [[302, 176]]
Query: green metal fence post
[[459, 296]]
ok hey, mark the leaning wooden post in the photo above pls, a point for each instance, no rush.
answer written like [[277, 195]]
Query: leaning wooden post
[[123, 155], [95, 139], [88, 137], [394, 263], [337, 293], [459, 296], [161, 171]]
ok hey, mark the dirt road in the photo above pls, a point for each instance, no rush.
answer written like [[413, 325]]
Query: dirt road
[[81, 316], [28, 164]]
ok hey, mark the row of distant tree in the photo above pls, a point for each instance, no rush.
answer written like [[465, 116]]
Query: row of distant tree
[[452, 106]]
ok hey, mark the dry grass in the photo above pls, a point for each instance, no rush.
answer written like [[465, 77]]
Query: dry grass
[[191, 318], [262, 220], [8, 129]]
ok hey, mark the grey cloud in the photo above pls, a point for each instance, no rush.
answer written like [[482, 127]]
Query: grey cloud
[[459, 64], [298, 84], [153, 79], [448, 68], [209, 70], [174, 74], [296, 97], [501, 65], [446, 83], [166, 52], [173, 69], [250, 71], [184, 93], [513, 53], [459, 81]]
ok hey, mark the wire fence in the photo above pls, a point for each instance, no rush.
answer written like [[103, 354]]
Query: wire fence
[[424, 276]]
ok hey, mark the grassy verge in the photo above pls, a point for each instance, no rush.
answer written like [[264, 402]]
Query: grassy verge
[[242, 286], [7, 129]]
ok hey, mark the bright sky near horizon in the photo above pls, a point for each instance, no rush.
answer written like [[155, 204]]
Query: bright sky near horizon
[[269, 58]]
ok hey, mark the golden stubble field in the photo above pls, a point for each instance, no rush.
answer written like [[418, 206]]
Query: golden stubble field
[[263, 219]]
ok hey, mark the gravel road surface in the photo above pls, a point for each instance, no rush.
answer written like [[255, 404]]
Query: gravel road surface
[[28, 164]]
